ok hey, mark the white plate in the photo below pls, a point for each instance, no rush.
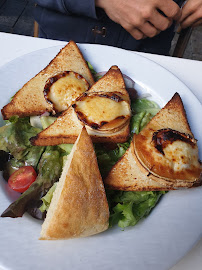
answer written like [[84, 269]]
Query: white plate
[[158, 241]]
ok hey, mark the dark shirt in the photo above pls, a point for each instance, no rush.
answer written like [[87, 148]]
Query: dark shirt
[[80, 21]]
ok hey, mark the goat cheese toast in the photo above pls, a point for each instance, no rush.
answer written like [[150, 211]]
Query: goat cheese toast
[[163, 156]]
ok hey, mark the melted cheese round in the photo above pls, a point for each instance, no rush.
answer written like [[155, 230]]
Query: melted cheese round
[[179, 161], [102, 112], [65, 90]]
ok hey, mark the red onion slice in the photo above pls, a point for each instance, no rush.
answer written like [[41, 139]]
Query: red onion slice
[[132, 93], [128, 81], [145, 95], [45, 114], [101, 73]]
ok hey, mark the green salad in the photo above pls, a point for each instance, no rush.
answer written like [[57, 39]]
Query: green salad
[[126, 207], [16, 152]]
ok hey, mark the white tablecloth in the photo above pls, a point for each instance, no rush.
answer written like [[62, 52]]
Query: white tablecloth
[[188, 71]]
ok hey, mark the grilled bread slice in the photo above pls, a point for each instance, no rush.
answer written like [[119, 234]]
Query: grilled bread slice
[[79, 206], [112, 81], [30, 100], [126, 175], [166, 146], [163, 156], [67, 127]]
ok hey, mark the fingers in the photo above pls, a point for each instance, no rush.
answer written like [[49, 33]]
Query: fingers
[[142, 18], [149, 30], [191, 14], [142, 30], [137, 34], [170, 9], [199, 22], [187, 10], [188, 21], [160, 22], [154, 22], [192, 20]]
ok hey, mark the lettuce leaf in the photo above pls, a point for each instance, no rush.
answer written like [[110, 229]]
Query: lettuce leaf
[[47, 198], [66, 147], [49, 170], [143, 110], [14, 139], [92, 70], [107, 158], [46, 121], [94, 73], [128, 207], [144, 105]]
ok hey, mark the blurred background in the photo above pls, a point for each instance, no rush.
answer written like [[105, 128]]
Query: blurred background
[[16, 17]]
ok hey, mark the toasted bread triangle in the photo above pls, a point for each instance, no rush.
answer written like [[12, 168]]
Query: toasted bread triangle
[[172, 116], [179, 159], [112, 81], [129, 175], [79, 206], [130, 172], [126, 175], [29, 100], [67, 127]]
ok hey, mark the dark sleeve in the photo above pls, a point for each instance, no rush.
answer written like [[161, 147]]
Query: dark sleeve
[[77, 7]]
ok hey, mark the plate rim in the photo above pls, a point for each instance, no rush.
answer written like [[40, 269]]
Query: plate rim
[[84, 45]]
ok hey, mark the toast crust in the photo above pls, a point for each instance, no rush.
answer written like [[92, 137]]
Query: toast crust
[[79, 206], [30, 100]]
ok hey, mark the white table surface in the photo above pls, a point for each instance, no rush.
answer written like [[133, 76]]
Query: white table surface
[[188, 71]]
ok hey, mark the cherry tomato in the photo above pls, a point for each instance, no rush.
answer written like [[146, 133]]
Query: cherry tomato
[[22, 179]]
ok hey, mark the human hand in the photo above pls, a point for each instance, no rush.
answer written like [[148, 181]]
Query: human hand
[[191, 14], [141, 18]]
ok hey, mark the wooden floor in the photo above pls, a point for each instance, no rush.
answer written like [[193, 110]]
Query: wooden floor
[[16, 16]]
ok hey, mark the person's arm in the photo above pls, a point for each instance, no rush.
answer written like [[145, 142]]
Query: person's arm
[[141, 18], [77, 7], [191, 14]]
